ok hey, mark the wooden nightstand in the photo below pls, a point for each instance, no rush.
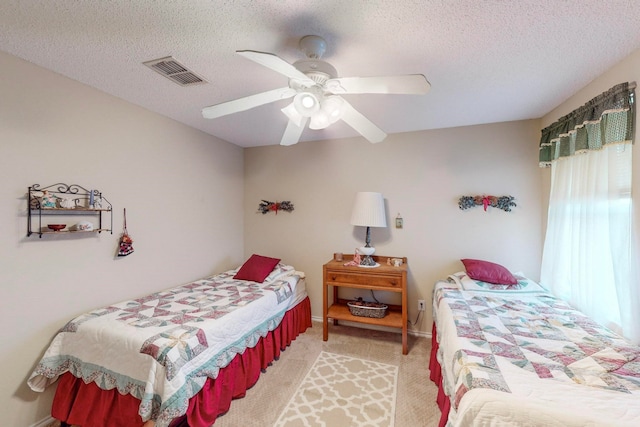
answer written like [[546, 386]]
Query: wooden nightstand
[[384, 278]]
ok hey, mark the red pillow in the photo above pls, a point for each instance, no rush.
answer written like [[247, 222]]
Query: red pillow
[[256, 268], [490, 272]]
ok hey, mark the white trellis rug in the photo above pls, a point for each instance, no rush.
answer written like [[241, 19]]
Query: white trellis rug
[[342, 391]]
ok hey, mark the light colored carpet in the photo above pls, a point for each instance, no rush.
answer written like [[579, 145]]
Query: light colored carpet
[[416, 394], [342, 390]]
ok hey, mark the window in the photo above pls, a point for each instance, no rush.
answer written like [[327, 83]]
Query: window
[[587, 257]]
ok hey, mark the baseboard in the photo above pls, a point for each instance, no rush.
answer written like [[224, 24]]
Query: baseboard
[[44, 422], [378, 328], [419, 333]]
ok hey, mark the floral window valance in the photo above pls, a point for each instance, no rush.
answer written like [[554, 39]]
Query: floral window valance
[[607, 119]]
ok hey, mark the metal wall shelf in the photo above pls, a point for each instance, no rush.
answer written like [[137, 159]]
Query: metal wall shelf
[[76, 199]]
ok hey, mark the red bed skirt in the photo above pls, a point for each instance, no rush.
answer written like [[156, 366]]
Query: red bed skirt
[[87, 405], [436, 376]]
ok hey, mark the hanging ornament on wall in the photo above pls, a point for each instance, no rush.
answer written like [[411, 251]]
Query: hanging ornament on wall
[[504, 202], [125, 246], [266, 206]]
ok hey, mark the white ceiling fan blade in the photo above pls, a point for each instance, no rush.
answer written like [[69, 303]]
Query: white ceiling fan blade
[[277, 64], [293, 132], [247, 102], [364, 126], [411, 84]]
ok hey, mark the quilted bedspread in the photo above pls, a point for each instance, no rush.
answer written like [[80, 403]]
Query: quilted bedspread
[[161, 348], [528, 358]]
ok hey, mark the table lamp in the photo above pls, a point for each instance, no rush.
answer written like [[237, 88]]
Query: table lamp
[[368, 211]]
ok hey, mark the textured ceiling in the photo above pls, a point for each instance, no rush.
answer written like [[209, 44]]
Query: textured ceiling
[[487, 60]]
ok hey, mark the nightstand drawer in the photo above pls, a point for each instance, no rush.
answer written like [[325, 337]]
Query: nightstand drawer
[[359, 279]]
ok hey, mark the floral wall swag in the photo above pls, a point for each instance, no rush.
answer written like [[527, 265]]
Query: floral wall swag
[[504, 202], [266, 206]]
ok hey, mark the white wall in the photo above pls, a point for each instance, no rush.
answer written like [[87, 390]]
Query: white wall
[[183, 194], [421, 175]]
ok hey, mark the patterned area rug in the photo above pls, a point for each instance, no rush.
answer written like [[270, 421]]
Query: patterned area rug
[[343, 391]]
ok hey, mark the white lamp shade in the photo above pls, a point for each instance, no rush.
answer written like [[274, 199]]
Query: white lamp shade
[[333, 107], [368, 210], [319, 120], [306, 103]]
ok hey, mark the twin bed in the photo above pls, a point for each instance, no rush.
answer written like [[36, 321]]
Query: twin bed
[[176, 357], [513, 354]]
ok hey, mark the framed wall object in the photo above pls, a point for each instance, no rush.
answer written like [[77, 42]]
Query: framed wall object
[[399, 221]]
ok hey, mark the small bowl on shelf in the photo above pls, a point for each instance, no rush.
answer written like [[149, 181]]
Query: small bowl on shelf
[[82, 226], [56, 227]]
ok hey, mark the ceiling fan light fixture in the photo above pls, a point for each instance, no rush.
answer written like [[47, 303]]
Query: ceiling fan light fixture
[[306, 103], [333, 107], [319, 120], [315, 89]]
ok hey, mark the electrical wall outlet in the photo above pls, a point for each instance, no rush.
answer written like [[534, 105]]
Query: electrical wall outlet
[[420, 305]]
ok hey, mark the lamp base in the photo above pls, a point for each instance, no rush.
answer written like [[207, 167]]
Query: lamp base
[[377, 264], [366, 260]]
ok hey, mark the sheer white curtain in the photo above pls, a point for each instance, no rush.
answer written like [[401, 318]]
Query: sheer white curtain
[[588, 257], [587, 250]]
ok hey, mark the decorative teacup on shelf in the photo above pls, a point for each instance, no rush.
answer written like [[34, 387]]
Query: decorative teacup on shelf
[[67, 203]]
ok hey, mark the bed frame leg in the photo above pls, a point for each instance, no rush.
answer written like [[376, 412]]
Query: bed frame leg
[[63, 424]]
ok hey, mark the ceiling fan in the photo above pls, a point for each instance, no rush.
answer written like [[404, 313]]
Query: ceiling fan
[[315, 88]]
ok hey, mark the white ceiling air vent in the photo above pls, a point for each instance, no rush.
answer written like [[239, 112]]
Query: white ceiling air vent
[[175, 71]]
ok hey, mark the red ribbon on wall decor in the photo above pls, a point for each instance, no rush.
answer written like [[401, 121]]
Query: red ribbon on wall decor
[[266, 206], [486, 201], [503, 202]]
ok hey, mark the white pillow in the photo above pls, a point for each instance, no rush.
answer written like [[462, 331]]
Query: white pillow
[[279, 272]]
